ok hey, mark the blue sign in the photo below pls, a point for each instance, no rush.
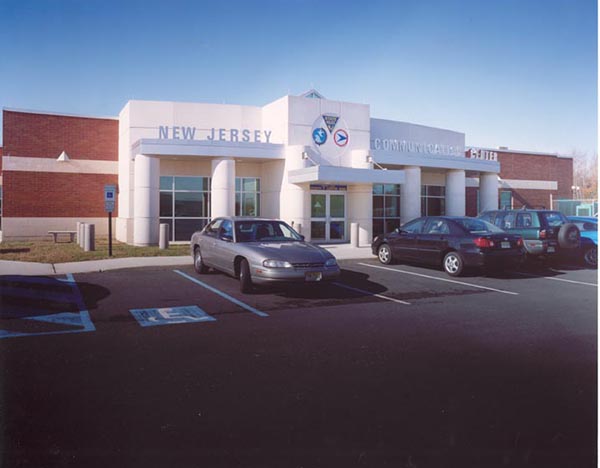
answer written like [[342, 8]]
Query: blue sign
[[319, 136], [170, 316]]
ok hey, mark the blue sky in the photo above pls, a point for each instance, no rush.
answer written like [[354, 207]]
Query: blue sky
[[514, 73]]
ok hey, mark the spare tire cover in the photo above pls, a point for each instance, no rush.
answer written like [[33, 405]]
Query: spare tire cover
[[569, 236]]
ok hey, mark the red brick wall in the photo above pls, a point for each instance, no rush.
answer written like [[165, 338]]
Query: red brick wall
[[46, 136], [54, 195], [538, 167], [523, 166], [0, 160]]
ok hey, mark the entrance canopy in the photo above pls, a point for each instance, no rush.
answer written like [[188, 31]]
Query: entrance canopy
[[346, 175]]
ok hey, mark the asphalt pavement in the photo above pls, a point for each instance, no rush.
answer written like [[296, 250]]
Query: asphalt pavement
[[398, 366]]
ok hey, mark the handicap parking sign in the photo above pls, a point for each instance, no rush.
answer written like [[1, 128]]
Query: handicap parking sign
[[170, 315]]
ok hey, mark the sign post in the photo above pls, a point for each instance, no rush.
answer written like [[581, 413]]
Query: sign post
[[109, 206]]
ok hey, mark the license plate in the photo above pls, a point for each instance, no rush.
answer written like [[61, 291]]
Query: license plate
[[505, 245], [313, 276], [551, 250]]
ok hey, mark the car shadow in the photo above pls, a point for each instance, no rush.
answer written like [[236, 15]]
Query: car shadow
[[30, 296], [350, 285]]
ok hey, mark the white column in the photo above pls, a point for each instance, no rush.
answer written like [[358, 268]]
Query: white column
[[455, 192], [488, 191], [294, 199], [222, 192], [410, 202], [146, 200], [360, 210]]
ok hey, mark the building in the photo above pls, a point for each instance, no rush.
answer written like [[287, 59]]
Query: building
[[318, 164]]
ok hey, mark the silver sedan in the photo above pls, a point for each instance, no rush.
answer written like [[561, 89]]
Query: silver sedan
[[260, 251]]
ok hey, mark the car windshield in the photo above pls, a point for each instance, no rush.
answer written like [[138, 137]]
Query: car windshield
[[554, 218], [477, 226], [265, 231]]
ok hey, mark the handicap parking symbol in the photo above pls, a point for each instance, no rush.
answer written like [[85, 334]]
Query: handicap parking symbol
[[170, 315]]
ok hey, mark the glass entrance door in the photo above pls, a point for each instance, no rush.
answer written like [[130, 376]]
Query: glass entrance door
[[328, 216]]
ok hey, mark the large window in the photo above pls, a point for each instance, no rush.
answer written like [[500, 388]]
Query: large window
[[433, 200], [247, 196], [505, 199], [184, 205], [386, 208]]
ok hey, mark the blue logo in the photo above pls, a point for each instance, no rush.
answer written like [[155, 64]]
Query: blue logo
[[319, 136], [340, 137]]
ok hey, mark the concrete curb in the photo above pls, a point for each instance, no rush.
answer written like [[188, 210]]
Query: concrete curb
[[8, 267]]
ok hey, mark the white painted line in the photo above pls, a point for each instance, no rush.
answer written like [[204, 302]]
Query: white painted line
[[558, 279], [440, 279], [380, 296], [223, 295]]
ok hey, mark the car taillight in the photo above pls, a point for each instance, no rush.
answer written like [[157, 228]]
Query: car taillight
[[482, 242], [519, 242], [543, 234]]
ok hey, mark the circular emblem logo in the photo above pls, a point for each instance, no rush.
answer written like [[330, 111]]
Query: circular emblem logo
[[340, 137], [319, 136]]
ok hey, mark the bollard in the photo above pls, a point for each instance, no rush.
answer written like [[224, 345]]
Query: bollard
[[163, 236], [81, 234], [299, 228], [354, 234], [89, 237]]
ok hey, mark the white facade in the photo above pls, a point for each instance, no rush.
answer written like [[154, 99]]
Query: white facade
[[317, 162]]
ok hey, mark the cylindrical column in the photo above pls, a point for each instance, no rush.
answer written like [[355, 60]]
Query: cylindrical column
[[410, 203], [163, 237], [80, 234], [488, 191], [222, 190], [354, 234], [359, 198], [455, 192], [89, 241], [146, 200]]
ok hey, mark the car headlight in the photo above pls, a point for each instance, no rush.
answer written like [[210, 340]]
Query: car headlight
[[331, 262], [276, 264]]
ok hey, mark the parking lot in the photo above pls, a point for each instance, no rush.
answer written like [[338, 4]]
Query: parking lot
[[390, 366]]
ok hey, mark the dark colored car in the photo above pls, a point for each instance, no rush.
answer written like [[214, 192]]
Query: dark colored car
[[453, 243], [544, 232]]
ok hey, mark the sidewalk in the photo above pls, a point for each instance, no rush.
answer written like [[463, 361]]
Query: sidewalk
[[8, 267]]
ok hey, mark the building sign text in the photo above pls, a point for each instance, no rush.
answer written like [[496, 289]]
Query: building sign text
[[234, 135]]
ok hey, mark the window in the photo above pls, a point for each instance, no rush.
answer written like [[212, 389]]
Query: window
[[433, 200], [437, 226], [227, 229], [213, 228], [505, 200], [184, 204], [415, 226], [247, 196], [524, 220], [263, 231], [386, 208]]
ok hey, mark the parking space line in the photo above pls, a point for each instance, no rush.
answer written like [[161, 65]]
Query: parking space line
[[223, 295], [557, 279], [441, 279], [380, 296]]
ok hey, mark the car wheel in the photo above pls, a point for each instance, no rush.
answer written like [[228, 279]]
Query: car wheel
[[245, 279], [384, 253], [199, 265], [590, 257], [568, 236], [453, 264]]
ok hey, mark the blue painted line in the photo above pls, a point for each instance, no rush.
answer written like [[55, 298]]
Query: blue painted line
[[223, 295], [170, 316]]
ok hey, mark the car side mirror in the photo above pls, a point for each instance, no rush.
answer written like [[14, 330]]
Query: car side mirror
[[226, 238], [301, 237], [402, 232]]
